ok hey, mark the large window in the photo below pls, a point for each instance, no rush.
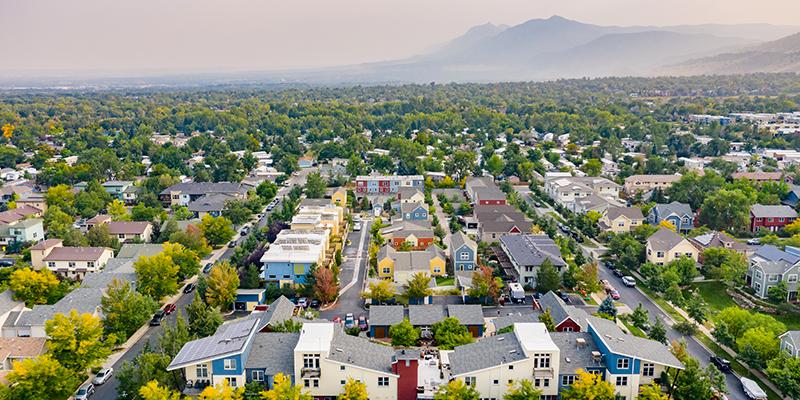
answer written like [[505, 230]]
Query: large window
[[202, 371], [258, 376], [622, 381], [541, 360], [567, 380], [469, 380], [310, 360], [648, 369], [229, 364]]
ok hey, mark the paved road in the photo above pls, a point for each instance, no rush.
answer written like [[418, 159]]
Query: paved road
[[356, 263], [632, 297], [109, 389]]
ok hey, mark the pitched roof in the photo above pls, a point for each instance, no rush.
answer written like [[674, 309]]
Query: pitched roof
[[386, 315], [410, 207], [19, 347], [407, 228], [632, 213], [44, 244], [425, 315], [772, 211], [127, 227], [278, 311], [136, 250], [466, 314], [18, 213], [575, 354], [509, 320], [7, 302], [411, 260], [83, 300], [273, 352], [560, 311], [793, 335], [459, 239], [210, 202], [632, 346], [229, 339], [717, 239], [774, 260], [76, 253], [532, 249], [664, 239], [485, 353], [200, 188], [360, 352], [679, 209]]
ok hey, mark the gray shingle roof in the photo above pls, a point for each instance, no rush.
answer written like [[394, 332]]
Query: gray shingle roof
[[632, 213], [664, 239], [486, 353], [793, 335], [198, 188], [210, 202], [230, 339], [459, 239], [83, 300], [425, 315], [679, 209], [386, 315], [579, 355], [360, 352], [466, 314], [763, 211], [273, 352], [560, 311], [532, 249], [278, 311], [411, 260], [7, 302], [632, 346], [136, 250]]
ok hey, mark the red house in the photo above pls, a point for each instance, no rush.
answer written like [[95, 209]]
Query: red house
[[772, 218], [418, 233], [406, 364], [566, 318]]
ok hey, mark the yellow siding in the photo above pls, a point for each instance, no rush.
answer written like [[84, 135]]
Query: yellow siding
[[437, 263], [386, 263]]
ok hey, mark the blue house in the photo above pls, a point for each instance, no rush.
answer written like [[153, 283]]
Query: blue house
[[793, 197], [290, 257], [679, 214], [248, 299], [414, 211], [463, 252]]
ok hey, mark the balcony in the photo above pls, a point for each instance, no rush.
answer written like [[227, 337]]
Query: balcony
[[310, 373], [543, 373]]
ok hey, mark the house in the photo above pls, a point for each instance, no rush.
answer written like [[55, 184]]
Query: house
[[790, 343], [591, 202], [381, 318], [770, 265], [182, 194], [566, 318], [527, 253], [9, 308], [32, 199], [761, 177], [793, 197], [679, 215], [498, 221], [414, 211], [423, 317], [646, 183], [13, 349], [19, 213], [291, 255], [410, 195], [325, 216], [117, 189], [418, 234], [621, 219], [463, 252], [211, 204], [468, 315], [21, 231], [400, 266], [69, 262], [305, 162], [665, 246], [31, 323], [9, 192], [717, 239], [387, 184], [566, 190], [484, 192], [339, 197], [130, 231], [248, 299], [771, 218]]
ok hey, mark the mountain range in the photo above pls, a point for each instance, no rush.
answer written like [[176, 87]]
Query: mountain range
[[556, 47]]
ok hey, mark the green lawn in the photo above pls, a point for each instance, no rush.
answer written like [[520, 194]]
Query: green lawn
[[445, 281], [714, 294]]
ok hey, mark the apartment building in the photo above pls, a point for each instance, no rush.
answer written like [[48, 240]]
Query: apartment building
[[387, 184], [182, 194], [769, 266], [646, 183], [291, 255]]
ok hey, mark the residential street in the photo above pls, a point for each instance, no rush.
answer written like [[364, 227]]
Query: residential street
[[351, 279]]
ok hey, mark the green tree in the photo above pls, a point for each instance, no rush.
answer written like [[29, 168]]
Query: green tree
[[354, 390], [449, 333], [118, 211], [192, 238], [403, 334], [33, 287], [778, 293], [651, 392], [380, 291], [252, 278], [76, 340], [61, 196], [485, 286], [315, 186], [99, 236], [146, 367], [658, 332], [522, 390], [216, 230], [588, 278], [588, 386], [694, 382], [784, 371], [456, 390], [418, 286], [89, 202], [40, 378], [547, 278], [757, 345], [203, 319], [725, 264], [288, 325], [124, 309], [223, 280], [57, 222], [174, 336], [607, 307], [726, 210], [640, 317], [592, 167], [237, 211], [187, 260], [495, 165], [547, 319], [282, 389], [696, 308], [157, 275]]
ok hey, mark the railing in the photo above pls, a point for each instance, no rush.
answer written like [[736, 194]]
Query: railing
[[310, 372]]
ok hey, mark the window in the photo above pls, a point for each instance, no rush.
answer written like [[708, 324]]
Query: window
[[621, 224], [677, 255], [231, 381], [202, 371], [623, 363], [774, 277], [257, 376], [510, 367], [496, 382], [306, 382], [469, 380], [121, 236], [310, 360], [71, 264], [383, 381], [567, 329], [464, 255], [341, 368], [792, 278], [90, 264], [541, 361], [229, 364], [622, 381], [437, 270], [660, 254], [51, 264], [567, 380], [315, 382], [758, 274], [342, 382], [648, 369], [541, 382], [387, 270]]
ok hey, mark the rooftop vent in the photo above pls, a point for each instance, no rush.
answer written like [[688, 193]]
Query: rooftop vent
[[580, 342]]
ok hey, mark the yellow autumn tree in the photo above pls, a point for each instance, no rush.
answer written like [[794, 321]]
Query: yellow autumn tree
[[153, 391], [589, 386], [354, 390], [668, 225], [8, 131], [282, 389], [222, 391]]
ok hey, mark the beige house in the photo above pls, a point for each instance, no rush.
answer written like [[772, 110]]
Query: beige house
[[128, 231], [69, 262], [621, 219], [644, 183], [665, 246]]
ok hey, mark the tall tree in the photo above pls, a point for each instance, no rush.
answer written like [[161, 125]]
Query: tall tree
[[237, 211], [325, 287], [33, 287], [148, 366], [380, 291], [495, 165], [186, 259], [124, 309], [418, 287], [40, 378], [607, 307], [99, 236], [118, 211], [547, 278], [153, 391], [174, 336], [726, 210], [547, 319], [76, 340], [157, 275], [192, 238], [203, 320], [589, 386], [216, 230], [449, 333], [223, 280], [315, 186], [784, 371]]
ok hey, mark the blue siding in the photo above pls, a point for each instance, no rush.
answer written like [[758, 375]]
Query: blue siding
[[463, 265], [610, 359], [284, 271], [218, 366], [248, 298]]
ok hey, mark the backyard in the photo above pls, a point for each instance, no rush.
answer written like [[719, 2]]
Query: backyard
[[717, 299]]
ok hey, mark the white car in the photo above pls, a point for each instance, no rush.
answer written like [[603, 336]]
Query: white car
[[629, 281], [103, 376], [357, 226]]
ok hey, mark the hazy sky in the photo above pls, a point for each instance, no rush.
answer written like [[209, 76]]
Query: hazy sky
[[41, 36]]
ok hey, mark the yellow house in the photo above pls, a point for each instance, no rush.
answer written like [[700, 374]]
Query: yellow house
[[401, 265], [339, 197], [621, 219], [665, 246]]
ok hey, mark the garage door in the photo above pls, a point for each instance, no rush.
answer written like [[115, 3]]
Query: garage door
[[380, 332], [474, 330]]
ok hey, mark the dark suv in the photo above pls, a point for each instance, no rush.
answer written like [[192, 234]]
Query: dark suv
[[721, 363]]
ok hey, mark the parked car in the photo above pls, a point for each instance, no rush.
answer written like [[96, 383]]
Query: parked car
[[362, 322], [84, 392], [618, 273], [357, 226], [189, 288], [103, 376], [244, 231], [721, 363], [752, 390], [208, 267], [6, 263], [564, 296], [170, 308], [629, 281], [302, 302], [614, 294], [754, 241], [315, 304], [606, 285], [349, 321], [157, 317], [231, 244]]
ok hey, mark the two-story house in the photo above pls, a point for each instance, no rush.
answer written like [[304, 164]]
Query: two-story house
[[69, 262], [770, 265], [621, 219], [400, 266], [387, 184], [566, 318], [21, 231], [665, 246], [182, 194], [770, 217], [463, 252], [418, 234], [414, 211], [790, 343], [291, 255], [526, 253], [646, 183], [678, 214], [482, 191]]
